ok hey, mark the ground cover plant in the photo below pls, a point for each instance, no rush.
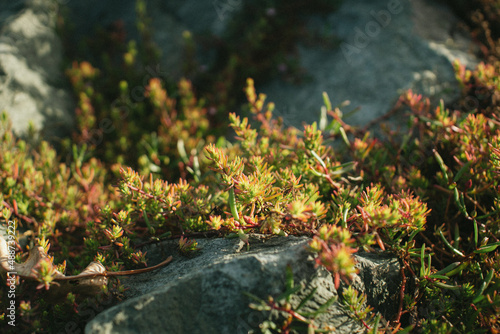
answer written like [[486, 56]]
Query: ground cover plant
[[429, 194]]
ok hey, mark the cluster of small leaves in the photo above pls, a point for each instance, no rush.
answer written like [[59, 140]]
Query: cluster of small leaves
[[251, 190], [482, 15], [50, 202], [431, 195], [276, 181], [46, 197], [287, 313], [126, 114], [68, 199], [466, 148], [355, 305], [187, 246], [163, 209], [334, 246], [281, 181], [450, 158]]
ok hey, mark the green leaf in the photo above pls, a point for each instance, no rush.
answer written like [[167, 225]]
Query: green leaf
[[344, 136], [345, 167], [462, 170], [322, 309], [487, 248], [327, 102], [453, 249], [232, 205], [459, 200], [289, 277], [254, 297], [413, 234], [306, 299], [315, 155], [323, 119], [458, 269], [435, 276], [447, 286], [448, 269], [422, 261], [288, 292], [376, 323], [315, 172], [441, 165], [406, 330], [484, 285], [476, 233]]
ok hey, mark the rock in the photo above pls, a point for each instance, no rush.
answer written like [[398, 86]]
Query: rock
[[387, 47], [379, 278], [87, 16], [32, 85], [202, 18], [205, 293]]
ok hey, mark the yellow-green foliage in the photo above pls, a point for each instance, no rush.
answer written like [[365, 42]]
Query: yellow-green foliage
[[142, 168]]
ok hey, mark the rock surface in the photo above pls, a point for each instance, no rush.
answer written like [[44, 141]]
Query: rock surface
[[205, 293], [32, 85], [387, 46]]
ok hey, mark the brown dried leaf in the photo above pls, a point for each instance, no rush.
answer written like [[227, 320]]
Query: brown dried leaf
[[89, 282]]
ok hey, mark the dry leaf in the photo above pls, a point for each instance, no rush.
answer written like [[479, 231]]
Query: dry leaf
[[89, 282]]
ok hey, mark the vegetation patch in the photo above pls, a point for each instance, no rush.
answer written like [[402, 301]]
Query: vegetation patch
[[138, 171]]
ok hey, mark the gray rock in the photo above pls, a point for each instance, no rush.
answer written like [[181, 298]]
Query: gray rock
[[87, 16], [380, 279], [387, 47], [169, 20], [200, 17], [32, 85], [205, 293]]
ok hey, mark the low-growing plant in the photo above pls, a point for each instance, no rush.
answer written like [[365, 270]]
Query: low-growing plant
[[280, 181], [429, 195]]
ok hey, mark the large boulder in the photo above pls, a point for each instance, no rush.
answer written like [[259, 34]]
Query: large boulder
[[32, 85], [385, 48], [206, 293]]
